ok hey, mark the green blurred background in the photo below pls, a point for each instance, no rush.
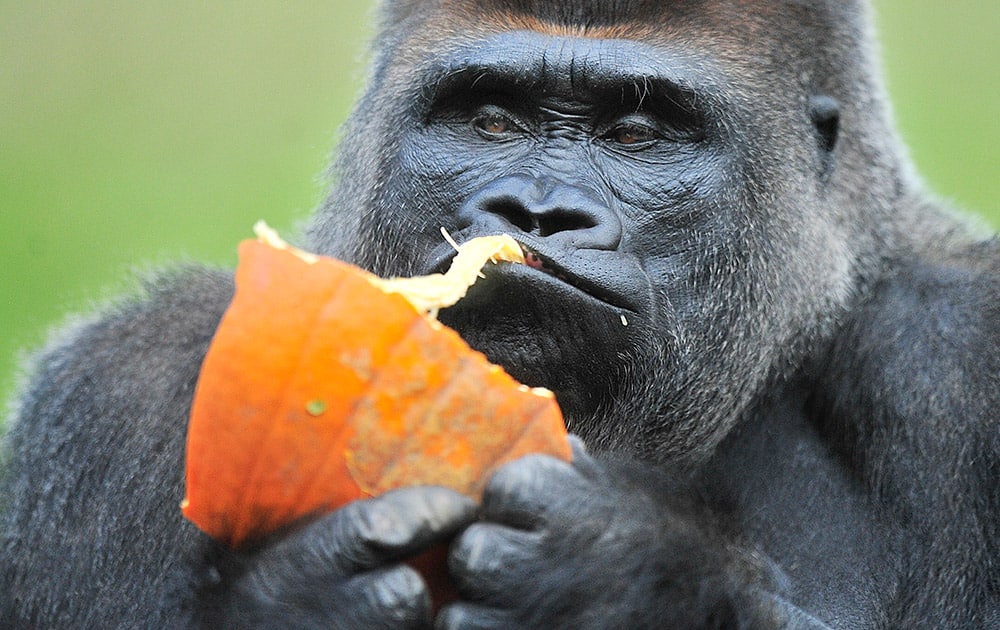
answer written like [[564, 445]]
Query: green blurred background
[[135, 134]]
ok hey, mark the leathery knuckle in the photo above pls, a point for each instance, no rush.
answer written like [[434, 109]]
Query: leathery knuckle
[[527, 473], [376, 524], [473, 550], [402, 589]]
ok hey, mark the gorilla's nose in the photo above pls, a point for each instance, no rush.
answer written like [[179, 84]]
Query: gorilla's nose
[[563, 214]]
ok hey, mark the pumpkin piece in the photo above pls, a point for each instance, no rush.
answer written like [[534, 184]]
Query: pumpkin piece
[[326, 384]]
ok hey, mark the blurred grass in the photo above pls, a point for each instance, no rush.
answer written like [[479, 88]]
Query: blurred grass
[[134, 134], [943, 69]]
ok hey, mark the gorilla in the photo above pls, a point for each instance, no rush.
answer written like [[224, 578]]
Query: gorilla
[[780, 356]]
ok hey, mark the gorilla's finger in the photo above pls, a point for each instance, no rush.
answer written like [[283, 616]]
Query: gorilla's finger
[[467, 616], [578, 446], [315, 596], [481, 559], [366, 534], [397, 593], [519, 493]]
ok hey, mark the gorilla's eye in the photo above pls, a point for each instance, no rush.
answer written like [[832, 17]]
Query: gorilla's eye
[[633, 132], [493, 123]]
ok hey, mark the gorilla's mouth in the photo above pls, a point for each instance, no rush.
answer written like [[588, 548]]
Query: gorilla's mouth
[[533, 260], [536, 260], [539, 262]]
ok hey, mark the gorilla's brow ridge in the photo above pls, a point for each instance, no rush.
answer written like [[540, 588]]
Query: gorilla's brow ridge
[[539, 62]]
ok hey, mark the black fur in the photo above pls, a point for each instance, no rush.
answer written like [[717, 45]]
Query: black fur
[[783, 356]]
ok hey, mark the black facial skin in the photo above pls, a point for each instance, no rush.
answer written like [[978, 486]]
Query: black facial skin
[[606, 160], [561, 166], [779, 355]]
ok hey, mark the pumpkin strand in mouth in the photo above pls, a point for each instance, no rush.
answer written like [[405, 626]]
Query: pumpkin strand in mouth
[[429, 293], [435, 291]]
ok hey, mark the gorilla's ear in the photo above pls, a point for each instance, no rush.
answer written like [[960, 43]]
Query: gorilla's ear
[[824, 111]]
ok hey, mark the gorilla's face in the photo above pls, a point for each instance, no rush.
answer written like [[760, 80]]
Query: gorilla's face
[[666, 277], [592, 170]]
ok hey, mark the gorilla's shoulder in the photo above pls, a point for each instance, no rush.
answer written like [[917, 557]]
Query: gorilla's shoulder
[[175, 306], [105, 417], [146, 346], [171, 308], [926, 342], [944, 307]]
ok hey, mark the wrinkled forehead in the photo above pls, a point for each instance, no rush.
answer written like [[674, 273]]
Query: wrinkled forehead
[[756, 40], [587, 14], [570, 67], [729, 27], [601, 17]]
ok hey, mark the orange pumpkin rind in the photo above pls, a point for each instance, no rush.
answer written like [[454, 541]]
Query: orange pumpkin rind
[[325, 384]]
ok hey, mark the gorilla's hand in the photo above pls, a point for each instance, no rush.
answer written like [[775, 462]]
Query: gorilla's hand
[[589, 545], [345, 569]]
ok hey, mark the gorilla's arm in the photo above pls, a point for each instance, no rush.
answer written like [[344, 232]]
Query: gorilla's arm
[[910, 397], [92, 534], [91, 528]]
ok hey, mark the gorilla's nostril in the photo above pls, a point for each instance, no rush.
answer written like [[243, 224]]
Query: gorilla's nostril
[[560, 221], [514, 212], [573, 215], [538, 219]]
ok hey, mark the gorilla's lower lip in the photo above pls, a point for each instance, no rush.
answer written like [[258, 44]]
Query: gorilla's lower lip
[[537, 261], [533, 259]]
